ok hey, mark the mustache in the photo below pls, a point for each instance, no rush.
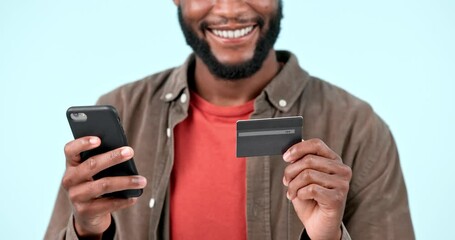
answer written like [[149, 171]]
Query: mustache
[[240, 20]]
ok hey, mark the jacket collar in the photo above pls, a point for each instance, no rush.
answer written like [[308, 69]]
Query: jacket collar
[[177, 81], [282, 92]]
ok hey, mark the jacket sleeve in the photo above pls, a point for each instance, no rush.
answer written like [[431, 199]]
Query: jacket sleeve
[[377, 204], [344, 234], [61, 225]]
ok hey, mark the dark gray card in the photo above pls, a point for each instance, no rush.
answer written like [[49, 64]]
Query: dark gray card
[[266, 137]]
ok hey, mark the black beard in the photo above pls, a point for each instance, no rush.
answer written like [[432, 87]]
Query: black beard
[[234, 71]]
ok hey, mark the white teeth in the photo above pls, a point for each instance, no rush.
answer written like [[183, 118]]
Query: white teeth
[[238, 33]]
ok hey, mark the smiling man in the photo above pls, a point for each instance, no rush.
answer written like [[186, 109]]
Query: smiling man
[[343, 181]]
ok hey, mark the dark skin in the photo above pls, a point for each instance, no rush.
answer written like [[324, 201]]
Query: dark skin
[[92, 215], [317, 179], [318, 184]]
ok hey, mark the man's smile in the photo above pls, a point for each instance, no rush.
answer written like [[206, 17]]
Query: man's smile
[[233, 36], [232, 33]]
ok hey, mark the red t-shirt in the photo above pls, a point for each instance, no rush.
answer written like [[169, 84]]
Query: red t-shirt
[[208, 182]]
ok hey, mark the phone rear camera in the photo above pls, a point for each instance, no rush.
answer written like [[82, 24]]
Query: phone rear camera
[[78, 117]]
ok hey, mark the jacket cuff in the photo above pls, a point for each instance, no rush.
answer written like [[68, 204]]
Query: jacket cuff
[[70, 230], [70, 233], [344, 234]]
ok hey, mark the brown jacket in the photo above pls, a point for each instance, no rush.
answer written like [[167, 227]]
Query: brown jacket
[[377, 204]]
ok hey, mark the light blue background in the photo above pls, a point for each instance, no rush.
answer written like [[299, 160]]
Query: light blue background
[[397, 55]]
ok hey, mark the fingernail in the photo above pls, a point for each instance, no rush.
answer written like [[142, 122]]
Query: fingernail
[[285, 182], [93, 141], [288, 196], [126, 152], [139, 180], [286, 156]]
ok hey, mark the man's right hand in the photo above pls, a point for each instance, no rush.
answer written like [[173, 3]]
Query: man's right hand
[[92, 214]]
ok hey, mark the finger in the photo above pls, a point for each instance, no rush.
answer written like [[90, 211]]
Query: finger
[[74, 148], [93, 165], [316, 163], [312, 146], [102, 206], [94, 189], [313, 177], [328, 198]]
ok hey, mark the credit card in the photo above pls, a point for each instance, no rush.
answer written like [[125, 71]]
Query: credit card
[[268, 136]]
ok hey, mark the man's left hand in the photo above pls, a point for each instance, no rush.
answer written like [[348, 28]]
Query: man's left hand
[[318, 184]]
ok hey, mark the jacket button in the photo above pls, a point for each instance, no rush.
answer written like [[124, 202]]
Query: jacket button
[[168, 132], [152, 202], [168, 96], [183, 98], [282, 103]]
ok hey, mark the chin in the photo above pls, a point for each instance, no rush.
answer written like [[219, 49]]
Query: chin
[[234, 61]]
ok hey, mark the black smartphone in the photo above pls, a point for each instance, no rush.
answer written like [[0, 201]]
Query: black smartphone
[[103, 121]]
